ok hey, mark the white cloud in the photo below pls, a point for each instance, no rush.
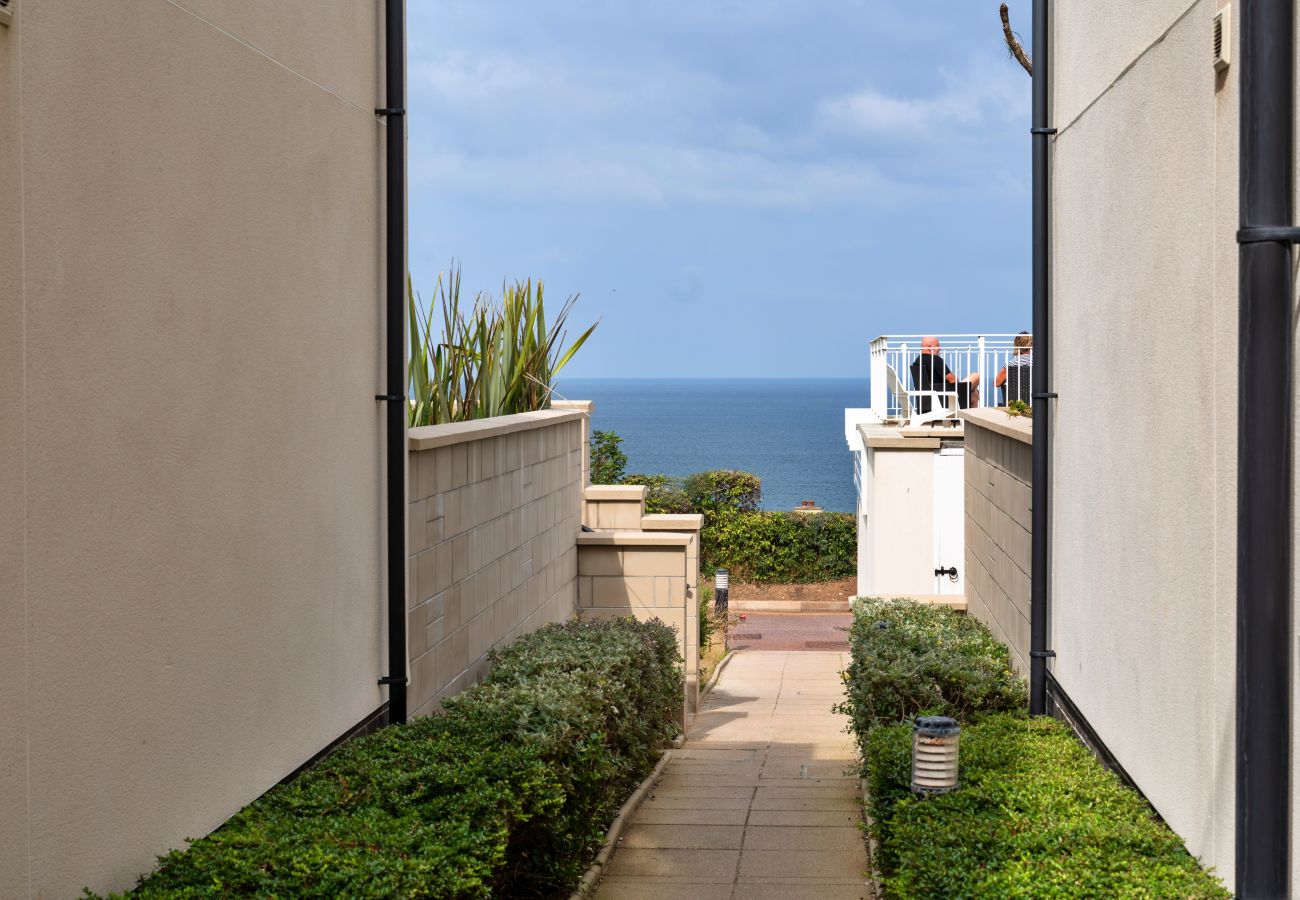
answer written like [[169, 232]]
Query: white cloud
[[654, 176], [985, 93]]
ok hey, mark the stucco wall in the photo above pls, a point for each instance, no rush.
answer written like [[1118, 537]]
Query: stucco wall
[[1143, 442], [999, 475], [190, 460], [494, 521]]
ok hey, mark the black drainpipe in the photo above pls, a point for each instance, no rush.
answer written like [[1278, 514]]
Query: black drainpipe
[[394, 114], [1265, 365], [1039, 574]]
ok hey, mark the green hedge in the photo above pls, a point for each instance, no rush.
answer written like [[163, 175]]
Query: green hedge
[[507, 794], [913, 658], [1035, 816], [781, 548]]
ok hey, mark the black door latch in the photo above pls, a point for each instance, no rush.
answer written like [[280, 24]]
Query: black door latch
[[951, 573]]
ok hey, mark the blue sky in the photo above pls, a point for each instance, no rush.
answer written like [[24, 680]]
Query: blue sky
[[734, 188]]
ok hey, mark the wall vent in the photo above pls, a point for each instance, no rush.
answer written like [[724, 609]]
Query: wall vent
[[1223, 39]]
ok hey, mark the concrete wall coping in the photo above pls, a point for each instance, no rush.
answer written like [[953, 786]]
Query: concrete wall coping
[[631, 493], [672, 522], [634, 539], [584, 406], [1020, 428], [427, 437]]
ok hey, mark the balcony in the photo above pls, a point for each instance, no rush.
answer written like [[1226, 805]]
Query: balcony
[[909, 386]]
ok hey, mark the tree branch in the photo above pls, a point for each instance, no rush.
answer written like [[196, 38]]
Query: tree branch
[[1013, 41]]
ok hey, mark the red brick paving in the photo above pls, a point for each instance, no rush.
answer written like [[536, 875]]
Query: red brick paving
[[790, 631]]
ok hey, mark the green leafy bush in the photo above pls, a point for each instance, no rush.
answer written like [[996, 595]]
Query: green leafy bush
[[1035, 816], [608, 462], [506, 794], [779, 547], [723, 491], [663, 494], [912, 659]]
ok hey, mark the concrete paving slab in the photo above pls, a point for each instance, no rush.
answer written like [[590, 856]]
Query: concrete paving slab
[[828, 803], [791, 865], [685, 837], [667, 788], [803, 817], [669, 816], [791, 837], [694, 801], [787, 891], [636, 889], [761, 803], [714, 866]]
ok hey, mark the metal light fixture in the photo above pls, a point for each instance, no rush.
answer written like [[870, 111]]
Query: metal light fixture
[[935, 742], [721, 584]]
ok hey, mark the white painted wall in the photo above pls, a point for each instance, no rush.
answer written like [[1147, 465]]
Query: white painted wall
[[910, 522]]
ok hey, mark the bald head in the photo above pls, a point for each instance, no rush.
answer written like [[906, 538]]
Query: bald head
[[930, 345]]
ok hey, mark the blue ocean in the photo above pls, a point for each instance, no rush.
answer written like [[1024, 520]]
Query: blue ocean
[[789, 432]]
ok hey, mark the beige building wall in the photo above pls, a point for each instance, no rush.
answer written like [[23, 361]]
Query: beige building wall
[[999, 476], [191, 585], [494, 521], [1144, 433]]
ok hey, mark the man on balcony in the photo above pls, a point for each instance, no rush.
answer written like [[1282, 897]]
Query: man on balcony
[[931, 373]]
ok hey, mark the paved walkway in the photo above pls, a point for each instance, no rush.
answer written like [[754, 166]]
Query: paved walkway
[[761, 803], [791, 631]]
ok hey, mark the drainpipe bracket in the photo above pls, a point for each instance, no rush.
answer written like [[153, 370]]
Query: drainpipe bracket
[[1042, 654], [1050, 395], [394, 679], [1264, 234], [1042, 131], [390, 111], [389, 397]]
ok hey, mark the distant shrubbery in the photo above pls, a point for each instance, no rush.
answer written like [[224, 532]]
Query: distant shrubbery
[[608, 462], [507, 794], [752, 544]]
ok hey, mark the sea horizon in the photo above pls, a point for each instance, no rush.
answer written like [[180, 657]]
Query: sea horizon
[[788, 431]]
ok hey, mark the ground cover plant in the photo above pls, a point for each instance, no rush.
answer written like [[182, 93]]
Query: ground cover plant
[[1036, 815], [506, 794], [493, 359]]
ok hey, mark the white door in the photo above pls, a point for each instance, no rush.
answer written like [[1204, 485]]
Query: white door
[[950, 521]]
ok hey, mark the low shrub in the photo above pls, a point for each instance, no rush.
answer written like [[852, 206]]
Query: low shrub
[[1035, 816], [912, 659], [507, 794], [722, 491], [608, 461], [663, 494], [777, 547]]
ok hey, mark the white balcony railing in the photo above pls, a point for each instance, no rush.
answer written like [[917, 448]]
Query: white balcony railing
[[910, 386]]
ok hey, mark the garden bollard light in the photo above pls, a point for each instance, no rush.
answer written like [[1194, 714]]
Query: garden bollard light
[[935, 742], [721, 580]]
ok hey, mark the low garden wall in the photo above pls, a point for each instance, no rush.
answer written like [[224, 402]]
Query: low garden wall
[[648, 573], [495, 508], [998, 493]]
